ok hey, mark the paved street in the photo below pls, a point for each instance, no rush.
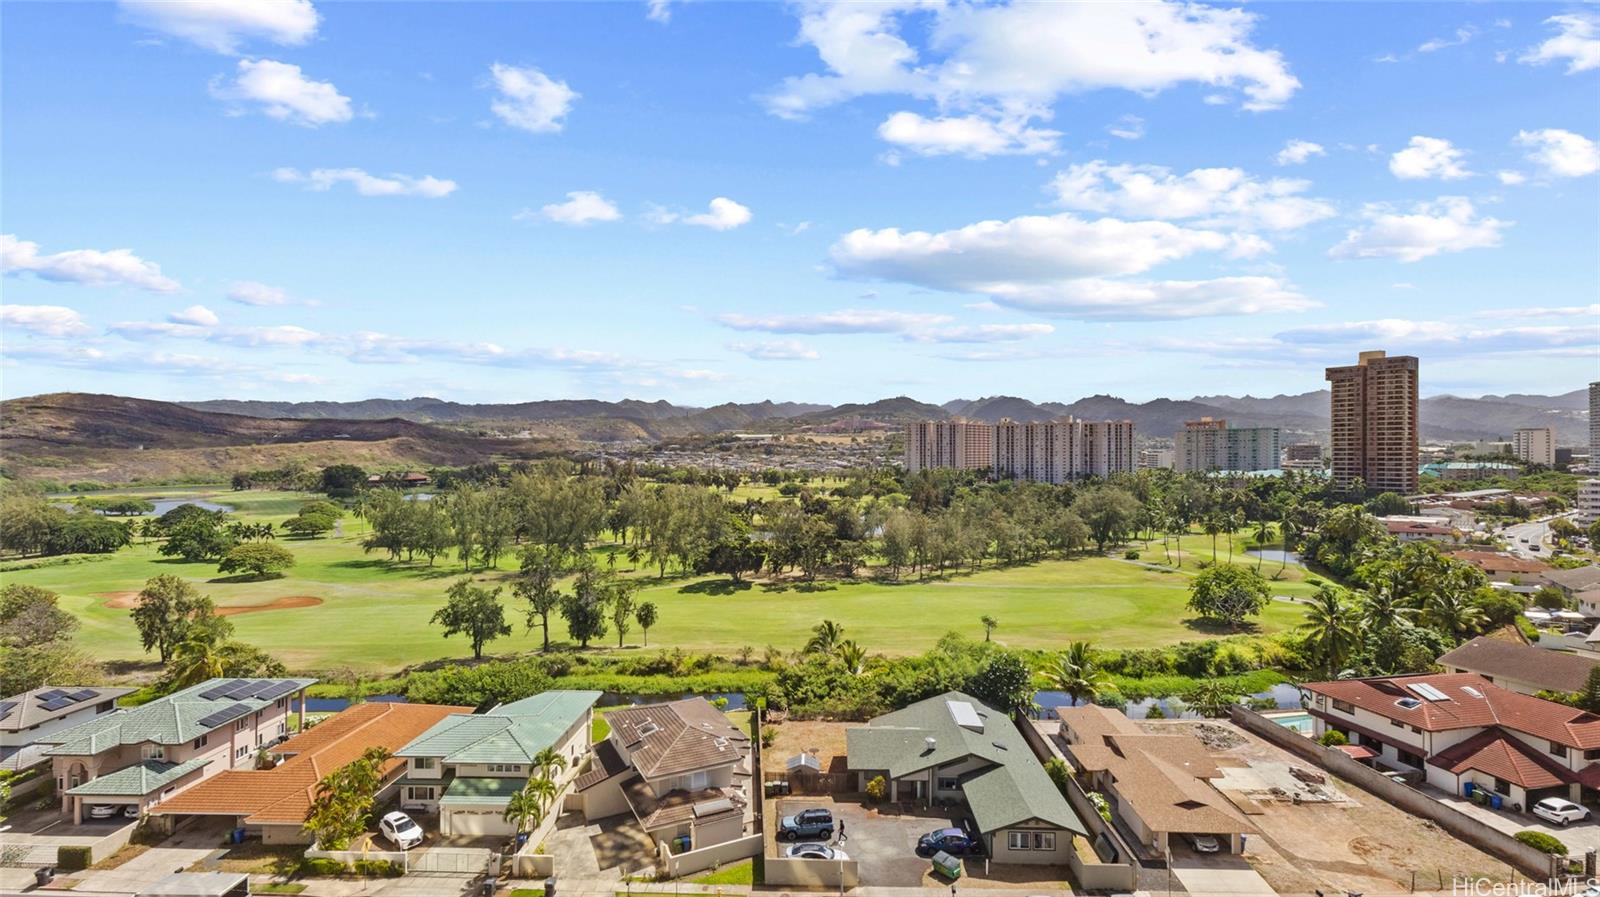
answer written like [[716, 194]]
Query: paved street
[[1536, 532]]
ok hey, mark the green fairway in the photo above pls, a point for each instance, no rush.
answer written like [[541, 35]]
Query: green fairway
[[340, 608]]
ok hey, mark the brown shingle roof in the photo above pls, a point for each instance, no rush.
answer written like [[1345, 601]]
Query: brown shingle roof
[[1462, 710], [1500, 659], [607, 763], [679, 806], [1488, 560], [678, 737], [284, 793], [1577, 579]]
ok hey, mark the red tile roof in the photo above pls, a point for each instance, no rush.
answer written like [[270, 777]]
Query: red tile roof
[[1488, 560], [284, 793], [1461, 709], [1495, 753]]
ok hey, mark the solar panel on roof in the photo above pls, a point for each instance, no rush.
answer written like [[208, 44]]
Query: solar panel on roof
[[242, 690], [5, 708], [50, 695], [278, 690], [84, 694], [218, 690], [1426, 690], [230, 712], [57, 704]]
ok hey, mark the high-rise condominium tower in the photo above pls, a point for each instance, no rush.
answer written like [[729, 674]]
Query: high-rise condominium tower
[[1374, 422]]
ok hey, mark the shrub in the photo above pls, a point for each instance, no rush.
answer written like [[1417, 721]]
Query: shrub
[[1333, 738], [768, 736], [1131, 554], [322, 866], [1060, 773], [378, 869], [1100, 805], [878, 788], [1541, 841], [74, 857]]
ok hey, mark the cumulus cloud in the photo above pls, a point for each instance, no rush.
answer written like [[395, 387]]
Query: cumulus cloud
[[983, 333], [529, 100], [973, 136], [1511, 178], [1448, 224], [249, 292], [1324, 343], [1577, 43], [1429, 157], [280, 335], [722, 214], [323, 179], [197, 315], [56, 321], [90, 267], [582, 207], [848, 320], [1297, 152], [1561, 154], [283, 92], [777, 350], [1123, 300], [1011, 62], [222, 25], [1219, 196], [1128, 127]]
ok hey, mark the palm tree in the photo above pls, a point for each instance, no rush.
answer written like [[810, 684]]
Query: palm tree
[[549, 762], [853, 656], [524, 810], [1448, 612], [195, 660], [989, 626], [1262, 535], [1382, 608], [542, 788], [1332, 628], [825, 638], [1211, 526], [1075, 673]]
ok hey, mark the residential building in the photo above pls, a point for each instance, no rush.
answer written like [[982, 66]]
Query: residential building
[[961, 444], [1519, 666], [1156, 458], [953, 748], [1589, 500], [1459, 729], [466, 766], [1208, 444], [33, 715], [140, 756], [1470, 470], [1302, 456], [1594, 427], [681, 769], [1158, 785], [1421, 529], [1572, 582], [272, 803], [1373, 417], [1535, 445], [1506, 568]]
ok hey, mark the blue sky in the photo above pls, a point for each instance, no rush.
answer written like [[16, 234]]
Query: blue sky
[[710, 202]]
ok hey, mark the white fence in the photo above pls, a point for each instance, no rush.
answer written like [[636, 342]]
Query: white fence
[[801, 873], [674, 865]]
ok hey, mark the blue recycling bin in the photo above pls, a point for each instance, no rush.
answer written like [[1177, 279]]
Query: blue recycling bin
[[1495, 800], [1466, 789]]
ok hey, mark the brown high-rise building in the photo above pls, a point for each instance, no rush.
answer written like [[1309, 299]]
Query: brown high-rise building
[[1374, 421]]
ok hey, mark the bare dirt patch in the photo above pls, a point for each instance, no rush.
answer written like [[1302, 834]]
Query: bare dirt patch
[[129, 600]]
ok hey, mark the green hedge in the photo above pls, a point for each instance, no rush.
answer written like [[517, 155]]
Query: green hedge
[[1541, 841], [74, 857]]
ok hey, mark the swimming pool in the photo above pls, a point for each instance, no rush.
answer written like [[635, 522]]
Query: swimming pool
[[1298, 720]]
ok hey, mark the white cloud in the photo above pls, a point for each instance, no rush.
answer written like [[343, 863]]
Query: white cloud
[[284, 93], [197, 315], [1429, 157], [1297, 152], [777, 350], [530, 100], [983, 333], [1448, 224], [55, 321], [848, 320], [1577, 43], [322, 179], [658, 10], [1217, 196], [249, 292], [1443, 337], [582, 207], [1120, 300], [91, 267], [973, 136], [1560, 153], [1461, 36], [1563, 311], [281, 335], [723, 214], [1128, 127], [222, 25], [1511, 178]]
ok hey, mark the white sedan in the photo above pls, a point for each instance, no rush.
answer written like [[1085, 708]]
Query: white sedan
[[102, 811], [399, 828], [815, 852], [1559, 811]]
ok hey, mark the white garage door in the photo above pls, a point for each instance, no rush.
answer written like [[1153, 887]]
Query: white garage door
[[475, 821]]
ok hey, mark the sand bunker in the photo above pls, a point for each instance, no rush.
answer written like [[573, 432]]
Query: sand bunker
[[128, 600]]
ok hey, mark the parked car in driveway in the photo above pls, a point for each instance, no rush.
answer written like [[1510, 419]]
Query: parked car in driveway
[[953, 841], [813, 851], [1560, 811], [401, 830], [806, 825], [1205, 843]]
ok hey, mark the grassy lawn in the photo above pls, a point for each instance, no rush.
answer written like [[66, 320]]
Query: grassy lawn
[[740, 873], [373, 616]]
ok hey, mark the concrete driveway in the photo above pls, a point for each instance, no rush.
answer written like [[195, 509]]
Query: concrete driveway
[[1221, 875], [880, 840], [604, 850], [1579, 836]]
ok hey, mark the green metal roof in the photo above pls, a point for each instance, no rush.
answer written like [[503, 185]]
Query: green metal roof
[[1016, 788], [140, 779], [173, 719], [484, 791], [510, 733]]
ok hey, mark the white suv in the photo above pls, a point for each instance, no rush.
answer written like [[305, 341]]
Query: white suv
[[1559, 811], [399, 828]]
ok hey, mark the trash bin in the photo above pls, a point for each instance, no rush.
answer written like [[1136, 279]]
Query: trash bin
[[490, 885], [550, 887], [42, 876], [1494, 801], [1467, 788]]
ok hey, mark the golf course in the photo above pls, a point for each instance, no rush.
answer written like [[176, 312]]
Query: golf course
[[339, 607]]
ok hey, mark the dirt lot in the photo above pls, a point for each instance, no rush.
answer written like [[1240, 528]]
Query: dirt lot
[[825, 740], [1356, 844]]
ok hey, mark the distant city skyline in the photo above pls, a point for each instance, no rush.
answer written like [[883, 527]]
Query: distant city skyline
[[705, 203]]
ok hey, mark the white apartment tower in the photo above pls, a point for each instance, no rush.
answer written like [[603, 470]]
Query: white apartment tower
[[959, 444], [1535, 445], [1208, 444], [1594, 427], [1056, 451]]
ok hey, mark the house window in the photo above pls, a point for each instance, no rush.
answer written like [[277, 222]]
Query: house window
[[699, 780], [201, 741], [505, 767], [421, 762], [1031, 840], [1344, 707], [1398, 724], [104, 706], [1591, 755], [415, 793], [1501, 786], [241, 752], [1408, 758], [240, 725], [1558, 750], [948, 784], [153, 752]]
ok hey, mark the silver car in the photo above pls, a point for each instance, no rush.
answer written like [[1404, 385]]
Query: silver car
[[814, 851]]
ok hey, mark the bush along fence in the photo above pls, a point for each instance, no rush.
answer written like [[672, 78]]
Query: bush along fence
[[1529, 860]]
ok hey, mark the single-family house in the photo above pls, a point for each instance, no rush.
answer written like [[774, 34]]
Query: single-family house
[[953, 747], [140, 756], [680, 768], [1506, 568], [1159, 786], [1588, 601], [466, 766], [272, 802], [32, 715], [1421, 529], [1575, 581], [1460, 728], [1519, 666]]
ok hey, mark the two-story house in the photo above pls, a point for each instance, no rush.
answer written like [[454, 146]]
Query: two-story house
[[32, 715], [136, 757], [1460, 728], [466, 766], [680, 768], [1519, 666]]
